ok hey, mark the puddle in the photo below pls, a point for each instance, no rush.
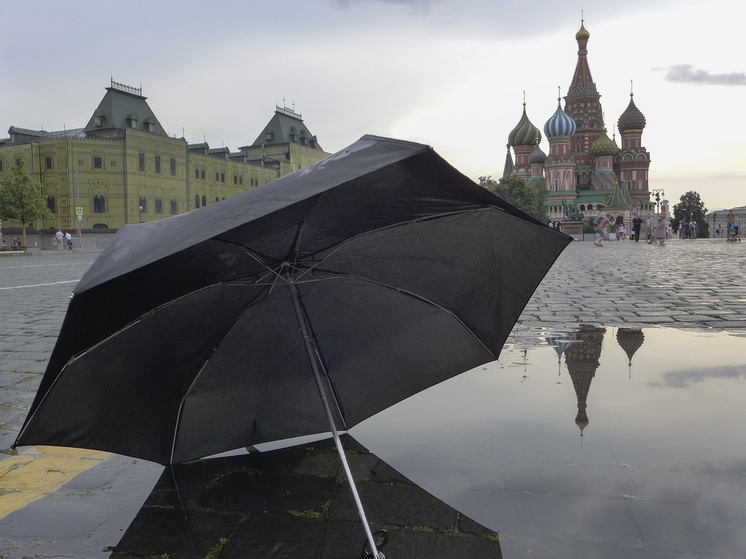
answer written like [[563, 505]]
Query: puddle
[[593, 442]]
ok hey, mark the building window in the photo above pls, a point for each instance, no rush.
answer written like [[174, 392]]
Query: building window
[[196, 174], [143, 205], [174, 208], [217, 199], [158, 205], [204, 200], [203, 174], [49, 162], [1, 166], [158, 164], [235, 179], [240, 181], [98, 163], [217, 177], [173, 167], [141, 162], [51, 205], [99, 204], [222, 177]]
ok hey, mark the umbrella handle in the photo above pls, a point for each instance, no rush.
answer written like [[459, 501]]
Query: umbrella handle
[[383, 537], [308, 341]]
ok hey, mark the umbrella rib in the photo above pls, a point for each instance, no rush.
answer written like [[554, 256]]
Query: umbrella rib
[[340, 245], [338, 275]]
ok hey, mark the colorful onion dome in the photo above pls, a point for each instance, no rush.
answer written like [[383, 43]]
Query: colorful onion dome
[[604, 146], [582, 34], [560, 124], [525, 133], [537, 157], [632, 118]]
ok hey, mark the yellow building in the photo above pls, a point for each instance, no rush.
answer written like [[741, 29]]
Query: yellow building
[[122, 167]]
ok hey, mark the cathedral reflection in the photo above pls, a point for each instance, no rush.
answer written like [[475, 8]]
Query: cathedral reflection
[[582, 359], [630, 339], [582, 351]]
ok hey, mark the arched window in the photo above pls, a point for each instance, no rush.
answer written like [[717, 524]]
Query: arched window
[[196, 201], [143, 203], [158, 205], [204, 200], [174, 207], [99, 204], [217, 199], [51, 204]]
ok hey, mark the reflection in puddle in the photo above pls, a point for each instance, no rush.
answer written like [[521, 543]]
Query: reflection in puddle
[[597, 442]]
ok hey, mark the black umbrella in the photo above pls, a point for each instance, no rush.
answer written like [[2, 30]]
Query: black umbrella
[[364, 278]]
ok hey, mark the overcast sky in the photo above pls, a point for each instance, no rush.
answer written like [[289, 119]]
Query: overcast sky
[[448, 73]]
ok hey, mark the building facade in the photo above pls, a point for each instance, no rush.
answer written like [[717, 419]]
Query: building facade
[[123, 167], [583, 165]]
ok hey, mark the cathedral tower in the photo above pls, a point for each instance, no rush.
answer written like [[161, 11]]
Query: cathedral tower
[[633, 161], [583, 104]]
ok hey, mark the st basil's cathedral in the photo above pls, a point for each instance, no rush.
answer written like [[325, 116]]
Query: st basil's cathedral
[[585, 167]]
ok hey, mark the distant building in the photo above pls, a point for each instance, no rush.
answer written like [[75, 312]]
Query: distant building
[[583, 165], [123, 167]]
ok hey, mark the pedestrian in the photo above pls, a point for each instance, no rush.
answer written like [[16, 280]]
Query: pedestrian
[[636, 225], [649, 228], [660, 230], [601, 223], [731, 219], [69, 240], [58, 236], [621, 233]]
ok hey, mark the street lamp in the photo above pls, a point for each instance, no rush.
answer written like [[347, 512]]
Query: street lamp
[[658, 193], [140, 213]]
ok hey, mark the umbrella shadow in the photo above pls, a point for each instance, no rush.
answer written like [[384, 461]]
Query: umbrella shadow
[[294, 503]]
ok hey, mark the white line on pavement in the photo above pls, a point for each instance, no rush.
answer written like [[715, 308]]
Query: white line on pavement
[[38, 284]]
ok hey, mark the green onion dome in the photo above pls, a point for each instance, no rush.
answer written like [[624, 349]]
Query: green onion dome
[[525, 133], [604, 146]]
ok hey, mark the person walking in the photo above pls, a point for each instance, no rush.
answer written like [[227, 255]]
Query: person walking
[[58, 236], [601, 223], [636, 225], [660, 230], [649, 229], [69, 240]]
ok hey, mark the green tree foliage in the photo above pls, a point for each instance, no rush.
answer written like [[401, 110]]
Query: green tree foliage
[[21, 198], [513, 189], [690, 207]]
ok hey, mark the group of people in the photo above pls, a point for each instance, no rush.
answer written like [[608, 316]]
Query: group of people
[[656, 232], [63, 239], [688, 229]]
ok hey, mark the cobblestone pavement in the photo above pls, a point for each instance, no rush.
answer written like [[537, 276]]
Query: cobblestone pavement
[[684, 284]]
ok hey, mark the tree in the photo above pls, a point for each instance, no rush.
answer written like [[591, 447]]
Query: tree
[[21, 198], [525, 197], [690, 208]]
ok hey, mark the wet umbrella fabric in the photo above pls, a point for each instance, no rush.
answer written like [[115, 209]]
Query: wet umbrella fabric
[[185, 337]]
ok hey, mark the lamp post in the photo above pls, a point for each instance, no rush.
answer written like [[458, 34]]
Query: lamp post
[[140, 213], [658, 193]]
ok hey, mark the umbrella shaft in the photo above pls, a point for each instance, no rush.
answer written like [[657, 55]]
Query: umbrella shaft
[[303, 323]]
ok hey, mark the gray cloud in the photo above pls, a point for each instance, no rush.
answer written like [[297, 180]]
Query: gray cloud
[[685, 73]]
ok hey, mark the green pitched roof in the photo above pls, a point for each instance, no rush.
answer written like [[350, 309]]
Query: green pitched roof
[[124, 107], [286, 127]]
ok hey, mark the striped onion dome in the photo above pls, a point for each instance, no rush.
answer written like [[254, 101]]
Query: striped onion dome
[[632, 118], [537, 157], [604, 146], [525, 133], [560, 124]]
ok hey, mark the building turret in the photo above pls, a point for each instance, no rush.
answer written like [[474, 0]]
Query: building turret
[[633, 160], [560, 165], [522, 139]]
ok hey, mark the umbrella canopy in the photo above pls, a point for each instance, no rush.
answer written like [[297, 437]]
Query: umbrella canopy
[[382, 266]]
